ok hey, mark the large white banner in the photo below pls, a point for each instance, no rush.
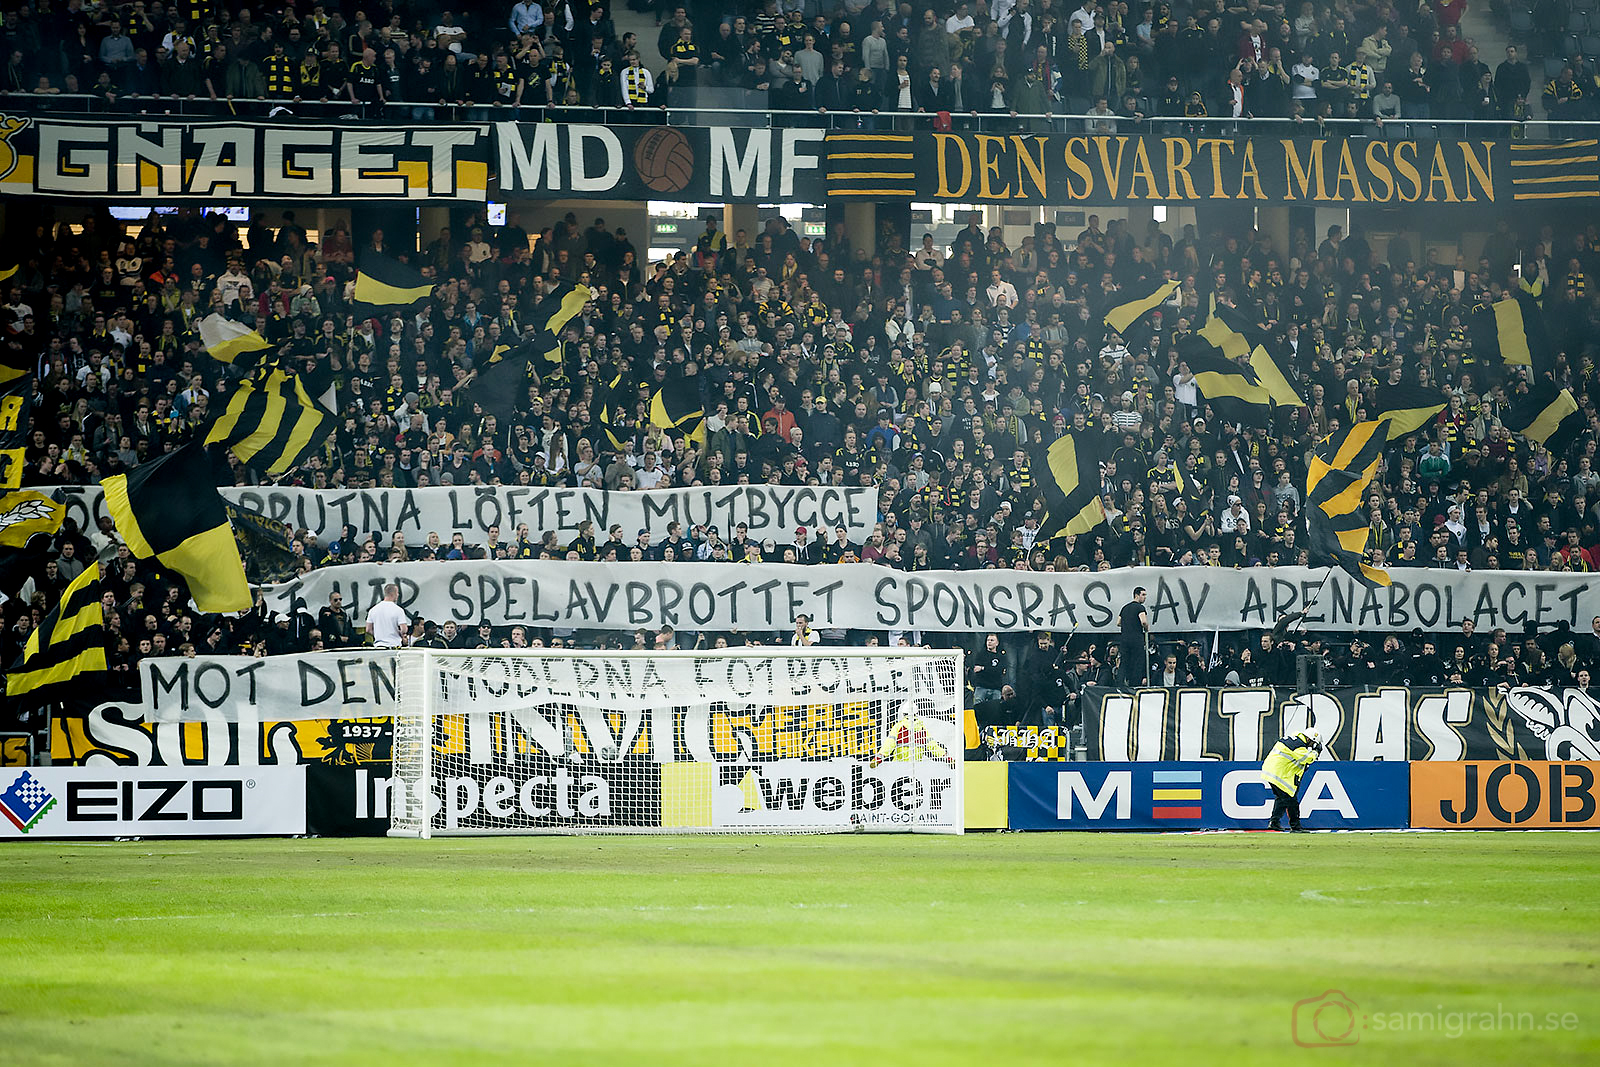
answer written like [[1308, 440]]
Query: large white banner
[[714, 596], [768, 510], [152, 801], [361, 683], [348, 684]]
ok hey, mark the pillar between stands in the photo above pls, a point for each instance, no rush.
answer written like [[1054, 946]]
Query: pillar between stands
[[861, 223], [1273, 220], [746, 217]]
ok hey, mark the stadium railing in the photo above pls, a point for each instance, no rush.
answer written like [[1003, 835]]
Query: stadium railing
[[697, 114]]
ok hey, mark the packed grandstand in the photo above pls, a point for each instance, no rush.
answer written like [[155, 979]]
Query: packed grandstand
[[931, 377], [1106, 63], [937, 376]]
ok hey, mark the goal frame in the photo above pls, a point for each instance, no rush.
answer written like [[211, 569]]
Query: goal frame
[[424, 661]]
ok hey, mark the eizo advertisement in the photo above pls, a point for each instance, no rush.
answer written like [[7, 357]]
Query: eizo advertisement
[[1201, 796], [41, 802]]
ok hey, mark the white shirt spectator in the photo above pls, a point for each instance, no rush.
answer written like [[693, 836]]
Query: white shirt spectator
[[1003, 295], [649, 475], [957, 23], [1185, 392], [389, 624], [1306, 88], [1234, 520], [229, 282]]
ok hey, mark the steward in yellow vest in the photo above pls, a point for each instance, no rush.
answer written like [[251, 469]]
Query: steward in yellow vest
[[1282, 769]]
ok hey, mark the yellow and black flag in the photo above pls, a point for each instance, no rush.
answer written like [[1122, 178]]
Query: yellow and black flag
[[1548, 416], [1068, 476], [1231, 388], [502, 382], [606, 397], [1268, 365], [1342, 465], [26, 513], [1408, 408], [1341, 542], [231, 342], [559, 307], [14, 364], [677, 406], [66, 648], [1124, 315], [1228, 329], [271, 422], [16, 422], [169, 509], [382, 282], [1513, 330]]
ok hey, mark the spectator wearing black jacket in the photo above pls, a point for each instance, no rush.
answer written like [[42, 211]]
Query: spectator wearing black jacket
[[1041, 689], [988, 669]]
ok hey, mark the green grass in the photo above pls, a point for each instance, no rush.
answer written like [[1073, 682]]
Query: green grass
[[1049, 948]]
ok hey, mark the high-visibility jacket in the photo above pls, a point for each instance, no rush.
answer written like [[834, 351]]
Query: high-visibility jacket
[[1286, 762], [910, 739]]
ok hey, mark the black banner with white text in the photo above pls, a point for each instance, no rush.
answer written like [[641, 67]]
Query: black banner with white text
[[1389, 723]]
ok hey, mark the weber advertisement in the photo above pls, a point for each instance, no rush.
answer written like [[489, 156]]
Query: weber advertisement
[[921, 795]]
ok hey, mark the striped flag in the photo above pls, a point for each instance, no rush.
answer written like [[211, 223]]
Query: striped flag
[[1407, 408], [67, 646], [1139, 305], [1069, 481], [387, 283], [871, 166], [1548, 416], [271, 422], [502, 382], [1338, 542], [677, 406], [1342, 465], [1565, 170], [1514, 330], [169, 509], [1230, 387], [228, 340]]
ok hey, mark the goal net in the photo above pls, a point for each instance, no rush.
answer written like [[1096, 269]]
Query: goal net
[[796, 740]]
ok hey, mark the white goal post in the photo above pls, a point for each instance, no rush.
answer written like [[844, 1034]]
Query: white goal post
[[749, 740]]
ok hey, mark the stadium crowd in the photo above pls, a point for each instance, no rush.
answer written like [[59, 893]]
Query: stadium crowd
[[1111, 61], [933, 375]]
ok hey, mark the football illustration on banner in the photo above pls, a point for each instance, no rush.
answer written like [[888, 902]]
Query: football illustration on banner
[[664, 160]]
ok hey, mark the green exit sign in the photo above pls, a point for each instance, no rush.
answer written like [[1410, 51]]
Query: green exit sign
[[666, 227], [815, 229]]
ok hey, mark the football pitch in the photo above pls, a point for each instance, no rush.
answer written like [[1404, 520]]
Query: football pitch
[[1446, 948]]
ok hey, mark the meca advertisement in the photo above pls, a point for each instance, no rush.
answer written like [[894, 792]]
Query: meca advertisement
[[1205, 795], [44, 802]]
